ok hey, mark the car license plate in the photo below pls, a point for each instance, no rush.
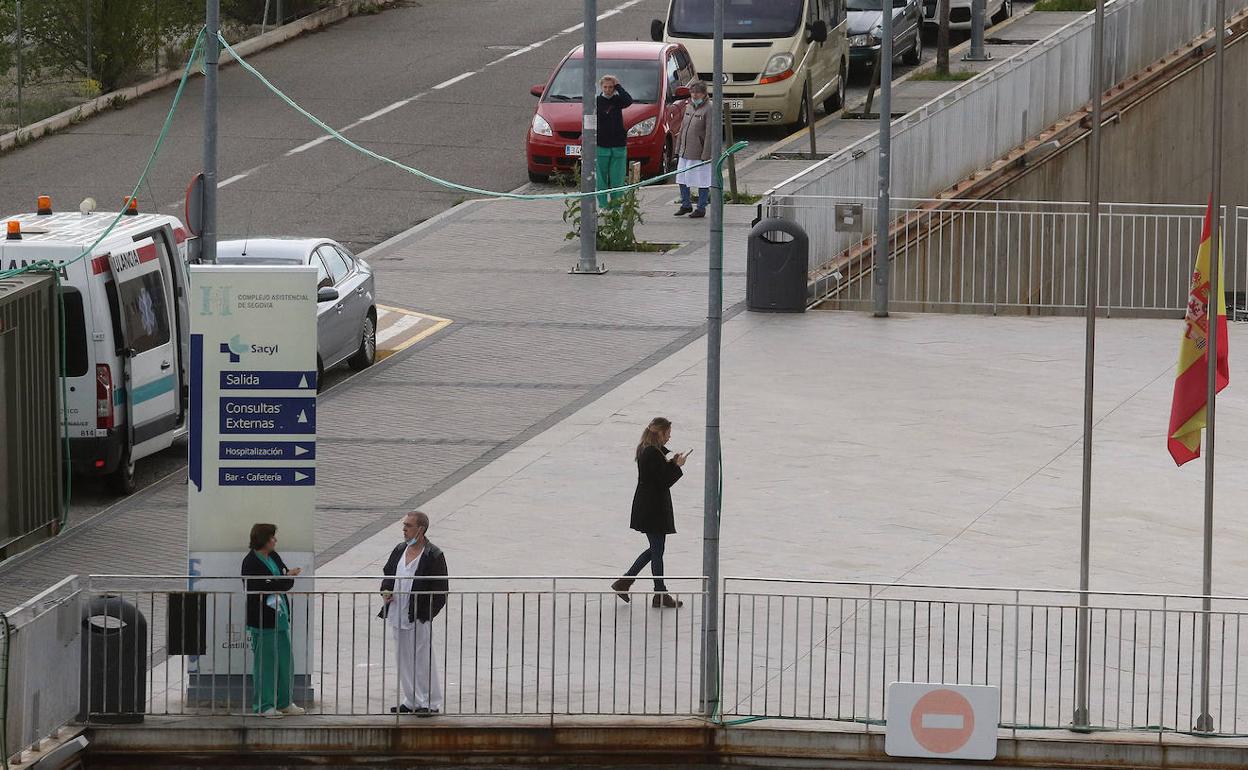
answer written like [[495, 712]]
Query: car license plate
[[572, 150], [734, 104]]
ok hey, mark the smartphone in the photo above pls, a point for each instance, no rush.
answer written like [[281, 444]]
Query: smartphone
[[688, 453]]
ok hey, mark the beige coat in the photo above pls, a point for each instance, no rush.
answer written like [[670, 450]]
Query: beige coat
[[695, 132]]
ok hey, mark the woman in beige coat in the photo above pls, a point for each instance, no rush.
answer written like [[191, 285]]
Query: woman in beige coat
[[694, 147]]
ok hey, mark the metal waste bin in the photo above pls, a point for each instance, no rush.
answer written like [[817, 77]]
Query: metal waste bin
[[114, 661], [777, 267]]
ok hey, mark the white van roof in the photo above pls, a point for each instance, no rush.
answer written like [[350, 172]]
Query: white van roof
[[81, 230]]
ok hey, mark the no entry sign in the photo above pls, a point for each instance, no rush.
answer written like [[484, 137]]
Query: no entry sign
[[945, 721]]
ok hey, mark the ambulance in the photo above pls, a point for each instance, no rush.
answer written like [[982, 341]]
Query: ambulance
[[126, 329]]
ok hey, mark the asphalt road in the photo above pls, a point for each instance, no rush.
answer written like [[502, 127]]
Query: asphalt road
[[442, 85]]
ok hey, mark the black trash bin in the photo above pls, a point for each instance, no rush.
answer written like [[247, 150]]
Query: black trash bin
[[777, 267], [114, 662]]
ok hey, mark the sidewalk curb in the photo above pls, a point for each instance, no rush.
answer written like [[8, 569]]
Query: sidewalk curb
[[116, 99]]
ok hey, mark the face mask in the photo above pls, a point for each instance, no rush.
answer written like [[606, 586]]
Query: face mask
[[413, 541], [698, 102]]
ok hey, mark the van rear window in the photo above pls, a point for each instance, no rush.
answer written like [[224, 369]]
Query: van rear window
[[75, 334]]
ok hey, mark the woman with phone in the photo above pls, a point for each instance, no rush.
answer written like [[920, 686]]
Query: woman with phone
[[652, 508]]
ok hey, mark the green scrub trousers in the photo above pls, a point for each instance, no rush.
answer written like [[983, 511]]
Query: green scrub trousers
[[274, 669], [612, 167]]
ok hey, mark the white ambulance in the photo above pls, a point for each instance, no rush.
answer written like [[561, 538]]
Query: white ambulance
[[126, 329]]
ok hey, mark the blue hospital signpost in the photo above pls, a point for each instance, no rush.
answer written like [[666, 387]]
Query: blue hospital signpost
[[252, 451]]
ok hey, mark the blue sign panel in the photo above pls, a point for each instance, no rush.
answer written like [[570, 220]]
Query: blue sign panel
[[260, 414], [267, 450], [259, 380], [267, 477]]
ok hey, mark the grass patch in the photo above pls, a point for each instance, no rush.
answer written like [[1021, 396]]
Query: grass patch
[[1065, 5], [953, 76], [742, 197]]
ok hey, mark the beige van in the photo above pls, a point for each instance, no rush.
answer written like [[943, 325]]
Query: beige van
[[769, 47]]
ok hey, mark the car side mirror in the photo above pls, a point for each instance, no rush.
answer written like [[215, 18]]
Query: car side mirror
[[326, 294], [538, 90], [680, 92], [819, 31], [656, 30]]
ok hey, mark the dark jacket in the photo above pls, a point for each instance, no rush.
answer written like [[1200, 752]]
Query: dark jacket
[[260, 614], [429, 584], [652, 502], [611, 130]]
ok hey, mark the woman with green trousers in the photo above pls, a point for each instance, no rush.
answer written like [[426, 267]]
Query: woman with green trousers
[[267, 579], [612, 157]]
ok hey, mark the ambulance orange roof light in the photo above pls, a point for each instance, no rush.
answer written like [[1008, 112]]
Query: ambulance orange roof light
[[132, 206], [14, 230], [44, 205]]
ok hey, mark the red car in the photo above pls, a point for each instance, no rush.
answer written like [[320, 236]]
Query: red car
[[656, 75]]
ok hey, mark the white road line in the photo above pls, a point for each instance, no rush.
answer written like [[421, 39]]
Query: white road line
[[384, 110], [233, 179], [309, 145], [454, 80], [397, 328]]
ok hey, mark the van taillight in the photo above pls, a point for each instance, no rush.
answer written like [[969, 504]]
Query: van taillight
[[103, 396]]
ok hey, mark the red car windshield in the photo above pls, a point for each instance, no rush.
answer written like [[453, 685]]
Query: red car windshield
[[639, 77]]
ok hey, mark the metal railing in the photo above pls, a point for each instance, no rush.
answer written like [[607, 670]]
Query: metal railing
[[502, 646], [1010, 103], [828, 650], [1009, 256]]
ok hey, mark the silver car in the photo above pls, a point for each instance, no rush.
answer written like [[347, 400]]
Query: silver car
[[346, 310]]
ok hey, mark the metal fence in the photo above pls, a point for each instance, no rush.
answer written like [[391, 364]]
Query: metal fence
[[828, 650], [57, 54], [1011, 256], [1010, 103], [501, 646]]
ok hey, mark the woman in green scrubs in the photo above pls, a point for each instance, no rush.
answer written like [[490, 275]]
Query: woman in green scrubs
[[267, 579]]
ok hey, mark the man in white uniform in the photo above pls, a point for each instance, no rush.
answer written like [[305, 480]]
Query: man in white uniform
[[414, 592]]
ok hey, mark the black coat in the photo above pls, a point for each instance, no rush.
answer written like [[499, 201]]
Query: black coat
[[429, 584], [611, 130], [652, 502], [260, 614]]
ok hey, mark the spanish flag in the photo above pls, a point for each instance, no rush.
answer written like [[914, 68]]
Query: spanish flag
[[1191, 382]]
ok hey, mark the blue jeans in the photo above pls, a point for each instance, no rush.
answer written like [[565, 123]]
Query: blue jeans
[[654, 557], [704, 195]]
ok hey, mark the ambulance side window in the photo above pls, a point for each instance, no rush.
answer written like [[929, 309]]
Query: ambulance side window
[[114, 314], [145, 322], [75, 334]]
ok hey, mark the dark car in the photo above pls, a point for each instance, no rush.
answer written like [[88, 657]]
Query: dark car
[[865, 23]]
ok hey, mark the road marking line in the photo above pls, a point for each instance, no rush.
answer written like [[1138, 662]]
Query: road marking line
[[384, 110], [233, 179], [398, 327], [309, 145], [438, 325], [453, 81]]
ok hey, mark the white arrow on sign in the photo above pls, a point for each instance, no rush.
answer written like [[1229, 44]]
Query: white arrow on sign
[[303, 381], [300, 450], [303, 417], [300, 476]]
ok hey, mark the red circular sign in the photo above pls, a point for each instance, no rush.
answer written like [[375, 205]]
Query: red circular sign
[[942, 721]]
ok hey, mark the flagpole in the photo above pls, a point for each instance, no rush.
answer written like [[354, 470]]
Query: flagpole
[[1204, 722], [1092, 287]]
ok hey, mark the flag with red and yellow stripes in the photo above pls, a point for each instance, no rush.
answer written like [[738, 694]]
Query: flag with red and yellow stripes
[[1191, 382]]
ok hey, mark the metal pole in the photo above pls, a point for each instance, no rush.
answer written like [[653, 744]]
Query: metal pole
[[810, 114], [714, 323], [1091, 288], [879, 272], [588, 262], [21, 34], [731, 139], [977, 52], [1204, 722], [279, 14], [212, 58], [90, 57], [942, 38]]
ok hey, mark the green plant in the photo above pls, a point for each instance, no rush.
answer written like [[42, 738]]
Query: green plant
[[958, 75], [742, 196], [617, 223], [1065, 5]]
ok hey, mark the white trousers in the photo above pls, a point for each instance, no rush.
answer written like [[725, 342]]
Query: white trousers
[[421, 687]]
